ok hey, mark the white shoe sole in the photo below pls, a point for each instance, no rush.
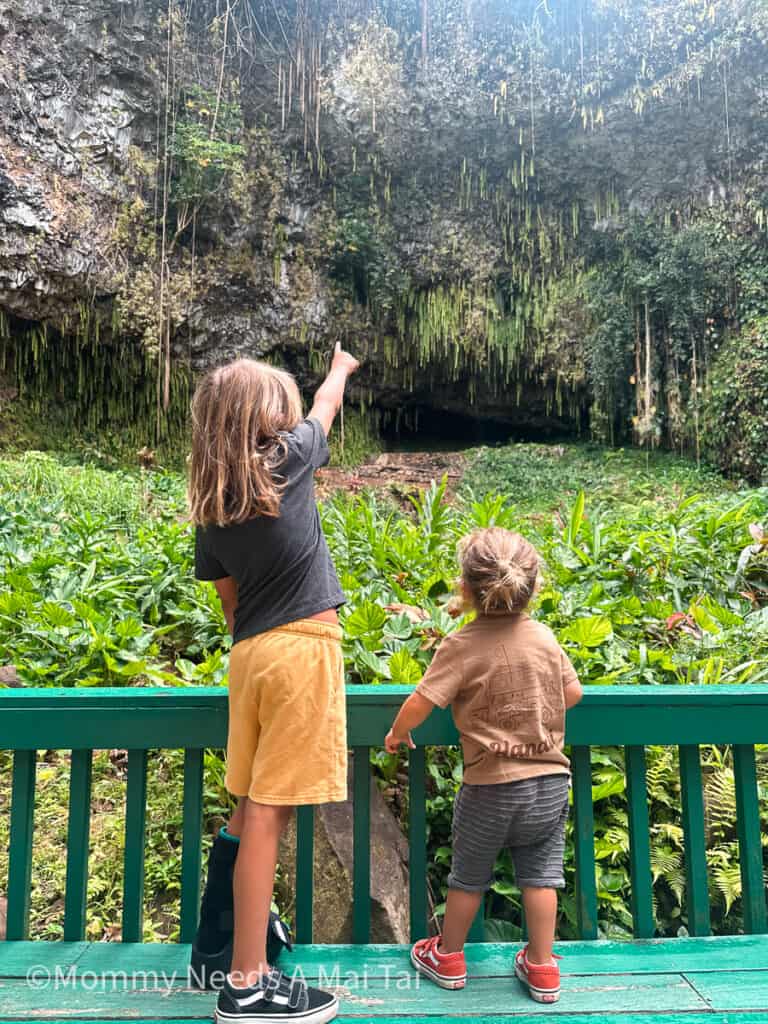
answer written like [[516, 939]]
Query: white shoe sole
[[319, 1016], [540, 995], [450, 983]]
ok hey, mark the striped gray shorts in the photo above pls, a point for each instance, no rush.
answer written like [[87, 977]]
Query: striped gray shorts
[[526, 816]]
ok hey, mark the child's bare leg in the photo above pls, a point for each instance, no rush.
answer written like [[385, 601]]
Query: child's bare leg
[[540, 918], [253, 884], [460, 909], [235, 823]]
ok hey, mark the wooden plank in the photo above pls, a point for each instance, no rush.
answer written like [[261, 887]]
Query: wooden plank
[[405, 994], [584, 843], [737, 990], [169, 717], [164, 959], [361, 846], [522, 1018], [518, 1017], [16, 958], [750, 848], [696, 888], [640, 843], [305, 865], [715, 955], [135, 834], [417, 843], [20, 850], [652, 956], [78, 834], [191, 850]]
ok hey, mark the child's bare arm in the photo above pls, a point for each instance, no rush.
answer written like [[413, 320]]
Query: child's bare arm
[[226, 588], [573, 694], [330, 394], [414, 711]]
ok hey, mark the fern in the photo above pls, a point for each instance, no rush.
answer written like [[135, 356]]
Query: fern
[[664, 861], [727, 881]]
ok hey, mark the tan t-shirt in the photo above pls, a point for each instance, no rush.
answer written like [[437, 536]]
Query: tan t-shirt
[[504, 677]]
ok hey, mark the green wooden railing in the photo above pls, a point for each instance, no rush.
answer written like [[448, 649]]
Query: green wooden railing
[[140, 720]]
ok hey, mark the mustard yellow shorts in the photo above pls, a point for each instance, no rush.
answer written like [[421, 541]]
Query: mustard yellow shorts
[[287, 739]]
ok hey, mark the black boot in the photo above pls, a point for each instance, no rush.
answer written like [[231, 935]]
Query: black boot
[[212, 946]]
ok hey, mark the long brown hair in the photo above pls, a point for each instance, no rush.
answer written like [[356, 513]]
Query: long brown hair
[[500, 569], [238, 411]]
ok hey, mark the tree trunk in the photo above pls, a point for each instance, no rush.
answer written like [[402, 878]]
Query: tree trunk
[[424, 19]]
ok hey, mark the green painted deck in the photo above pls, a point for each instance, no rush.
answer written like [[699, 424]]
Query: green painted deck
[[690, 981]]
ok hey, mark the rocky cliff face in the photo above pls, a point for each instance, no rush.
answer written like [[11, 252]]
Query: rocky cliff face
[[183, 184]]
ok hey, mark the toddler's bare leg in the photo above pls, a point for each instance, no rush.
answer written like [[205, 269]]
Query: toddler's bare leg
[[254, 880], [460, 909], [540, 918]]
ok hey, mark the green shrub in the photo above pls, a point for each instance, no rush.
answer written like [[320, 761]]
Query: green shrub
[[736, 414]]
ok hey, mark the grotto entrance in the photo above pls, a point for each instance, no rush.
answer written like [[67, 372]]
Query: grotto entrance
[[427, 429]]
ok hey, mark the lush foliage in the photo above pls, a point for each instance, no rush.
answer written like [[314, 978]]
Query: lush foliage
[[660, 576], [737, 405]]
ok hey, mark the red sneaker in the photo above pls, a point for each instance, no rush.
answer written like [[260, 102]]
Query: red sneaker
[[448, 970], [542, 980]]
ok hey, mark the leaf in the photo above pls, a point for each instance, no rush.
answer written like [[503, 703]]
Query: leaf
[[400, 627], [704, 620], [589, 632], [367, 618], [577, 515], [403, 668], [375, 665], [609, 788]]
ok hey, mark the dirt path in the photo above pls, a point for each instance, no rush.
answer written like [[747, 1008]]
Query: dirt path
[[398, 472]]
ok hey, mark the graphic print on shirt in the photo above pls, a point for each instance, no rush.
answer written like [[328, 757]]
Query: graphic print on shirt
[[517, 711]]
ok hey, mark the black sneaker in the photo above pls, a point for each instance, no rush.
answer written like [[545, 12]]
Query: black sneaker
[[276, 998]]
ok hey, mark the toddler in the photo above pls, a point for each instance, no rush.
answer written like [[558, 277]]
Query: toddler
[[509, 684]]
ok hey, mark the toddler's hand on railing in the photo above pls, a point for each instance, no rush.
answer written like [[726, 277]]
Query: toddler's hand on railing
[[393, 743]]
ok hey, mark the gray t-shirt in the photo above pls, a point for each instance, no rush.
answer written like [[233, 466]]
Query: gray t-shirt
[[282, 565]]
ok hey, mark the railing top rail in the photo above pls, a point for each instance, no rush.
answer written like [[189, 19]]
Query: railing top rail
[[384, 693], [176, 717]]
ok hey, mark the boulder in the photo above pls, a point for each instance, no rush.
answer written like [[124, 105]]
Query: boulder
[[9, 676], [332, 915]]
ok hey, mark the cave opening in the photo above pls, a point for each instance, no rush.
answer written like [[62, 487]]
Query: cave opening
[[425, 428]]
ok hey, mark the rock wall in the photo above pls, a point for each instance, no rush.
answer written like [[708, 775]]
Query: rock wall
[[440, 216]]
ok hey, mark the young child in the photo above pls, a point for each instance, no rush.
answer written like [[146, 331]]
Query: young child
[[509, 684], [258, 537]]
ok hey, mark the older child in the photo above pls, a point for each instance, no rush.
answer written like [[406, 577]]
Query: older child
[[259, 538], [509, 685]]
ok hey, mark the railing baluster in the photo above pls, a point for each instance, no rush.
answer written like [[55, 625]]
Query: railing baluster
[[361, 846], [750, 848], [78, 834], [305, 858], [191, 850], [692, 793], [20, 854], [135, 829], [584, 842], [640, 843], [417, 843], [477, 928]]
